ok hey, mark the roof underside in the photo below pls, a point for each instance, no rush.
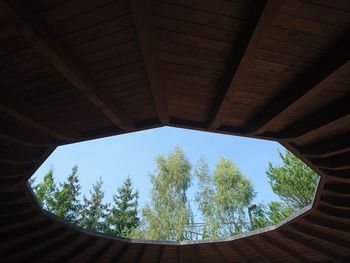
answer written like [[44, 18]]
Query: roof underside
[[77, 70]]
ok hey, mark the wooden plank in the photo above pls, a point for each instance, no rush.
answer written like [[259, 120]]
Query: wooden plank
[[160, 255], [140, 254], [326, 252], [35, 31], [244, 54], [315, 78], [329, 147], [31, 242], [242, 255], [336, 162], [121, 252], [259, 251], [141, 13], [22, 117], [54, 244], [219, 255], [83, 246], [292, 255], [322, 236], [101, 251], [332, 114]]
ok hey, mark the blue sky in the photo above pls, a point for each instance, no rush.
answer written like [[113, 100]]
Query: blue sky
[[133, 154]]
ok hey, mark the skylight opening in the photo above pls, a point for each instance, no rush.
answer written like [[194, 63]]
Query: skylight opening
[[171, 184]]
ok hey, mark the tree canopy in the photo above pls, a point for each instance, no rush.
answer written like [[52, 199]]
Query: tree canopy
[[123, 216], [167, 214], [224, 199], [293, 181]]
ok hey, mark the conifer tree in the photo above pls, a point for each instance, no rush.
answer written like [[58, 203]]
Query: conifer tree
[[293, 181], [123, 217], [67, 198], [94, 211]]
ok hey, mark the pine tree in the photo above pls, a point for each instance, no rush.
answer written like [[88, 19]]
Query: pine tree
[[293, 181], [67, 198], [123, 217], [94, 211]]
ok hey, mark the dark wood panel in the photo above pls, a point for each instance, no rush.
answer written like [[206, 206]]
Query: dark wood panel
[[196, 16], [91, 18]]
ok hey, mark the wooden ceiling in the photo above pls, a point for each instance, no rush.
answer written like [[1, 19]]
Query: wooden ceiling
[[74, 70]]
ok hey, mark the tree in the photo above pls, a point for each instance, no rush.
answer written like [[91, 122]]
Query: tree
[[167, 215], [293, 181], [234, 193], [94, 211], [123, 217], [205, 197], [223, 198], [274, 213], [67, 198], [46, 190]]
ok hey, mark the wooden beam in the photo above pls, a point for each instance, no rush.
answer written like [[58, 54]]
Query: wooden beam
[[24, 118], [99, 253], [336, 200], [120, 253], [31, 242], [219, 255], [18, 155], [327, 223], [319, 235], [197, 253], [85, 245], [329, 147], [325, 251], [140, 254], [314, 79], [142, 18], [333, 114], [178, 254], [160, 255], [14, 220], [342, 176], [292, 255], [336, 162], [57, 244], [343, 212], [264, 13], [259, 251], [24, 230], [243, 256], [37, 33], [25, 142]]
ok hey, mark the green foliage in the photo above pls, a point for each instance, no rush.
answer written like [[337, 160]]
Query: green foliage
[[204, 198], [274, 213], [123, 217], [167, 214], [46, 190], [223, 198], [67, 198], [293, 181], [94, 211]]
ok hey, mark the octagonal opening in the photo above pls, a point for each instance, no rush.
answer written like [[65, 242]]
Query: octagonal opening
[[172, 184]]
